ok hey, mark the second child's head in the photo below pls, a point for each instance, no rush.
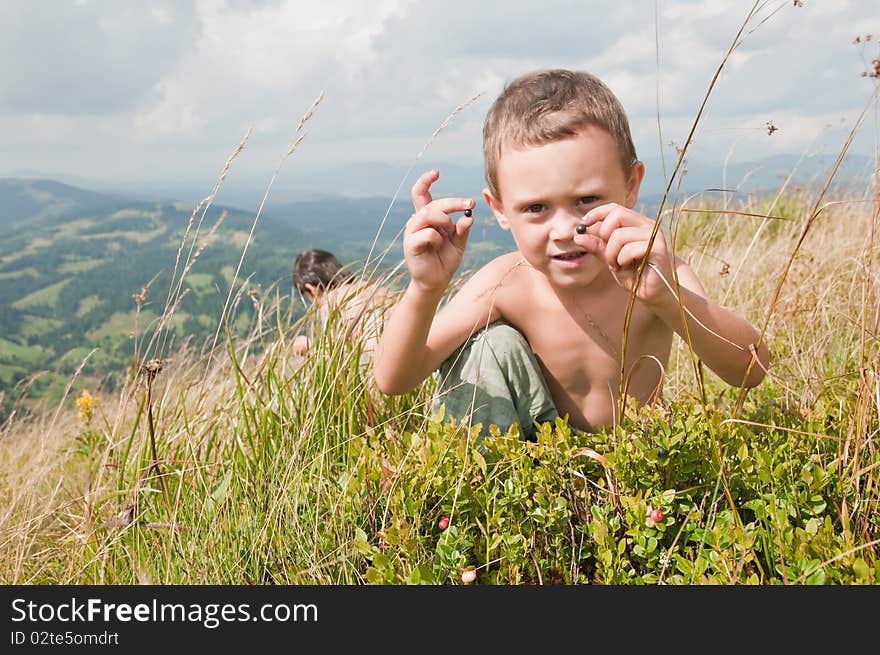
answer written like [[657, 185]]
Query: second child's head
[[315, 271], [551, 105]]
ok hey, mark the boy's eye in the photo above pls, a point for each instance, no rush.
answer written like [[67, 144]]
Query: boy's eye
[[536, 208], [589, 200]]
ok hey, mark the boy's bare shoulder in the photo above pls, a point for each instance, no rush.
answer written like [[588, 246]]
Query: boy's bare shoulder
[[500, 269], [481, 297], [492, 279], [478, 299]]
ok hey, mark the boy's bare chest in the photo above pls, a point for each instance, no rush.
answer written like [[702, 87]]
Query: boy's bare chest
[[585, 343], [579, 347]]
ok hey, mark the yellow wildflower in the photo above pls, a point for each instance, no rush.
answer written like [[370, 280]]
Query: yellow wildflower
[[86, 403]]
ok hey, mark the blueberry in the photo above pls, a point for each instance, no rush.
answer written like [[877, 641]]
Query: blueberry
[[661, 451], [581, 229], [468, 212]]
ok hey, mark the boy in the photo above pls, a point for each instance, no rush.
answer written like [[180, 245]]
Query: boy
[[538, 332], [320, 278]]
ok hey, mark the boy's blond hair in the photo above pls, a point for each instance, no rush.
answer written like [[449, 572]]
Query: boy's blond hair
[[549, 105]]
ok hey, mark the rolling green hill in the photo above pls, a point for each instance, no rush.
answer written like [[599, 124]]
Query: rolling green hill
[[71, 262], [26, 202]]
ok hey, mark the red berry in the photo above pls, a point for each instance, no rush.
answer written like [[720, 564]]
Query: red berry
[[468, 576], [656, 516], [443, 523]]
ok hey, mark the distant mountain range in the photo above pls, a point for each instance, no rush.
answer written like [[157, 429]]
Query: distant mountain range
[[382, 180]]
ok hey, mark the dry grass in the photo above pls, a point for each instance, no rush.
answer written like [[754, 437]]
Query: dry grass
[[825, 322]]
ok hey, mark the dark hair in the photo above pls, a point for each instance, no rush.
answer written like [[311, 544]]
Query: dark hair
[[319, 268]]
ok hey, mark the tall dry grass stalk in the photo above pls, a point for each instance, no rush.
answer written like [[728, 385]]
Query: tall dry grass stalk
[[754, 14], [299, 136], [372, 264]]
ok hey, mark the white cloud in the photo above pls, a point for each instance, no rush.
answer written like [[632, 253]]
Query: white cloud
[[88, 58], [175, 85]]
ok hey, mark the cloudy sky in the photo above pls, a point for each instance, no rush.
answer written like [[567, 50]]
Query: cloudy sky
[[157, 94]]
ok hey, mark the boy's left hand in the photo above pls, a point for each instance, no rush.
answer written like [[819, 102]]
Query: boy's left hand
[[626, 234]]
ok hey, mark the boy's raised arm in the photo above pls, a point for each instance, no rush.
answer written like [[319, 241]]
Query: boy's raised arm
[[726, 342], [433, 247]]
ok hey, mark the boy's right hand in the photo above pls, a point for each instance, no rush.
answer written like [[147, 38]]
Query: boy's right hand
[[432, 244]]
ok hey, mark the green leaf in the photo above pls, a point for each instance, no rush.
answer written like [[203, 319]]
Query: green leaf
[[361, 543], [480, 461], [222, 488], [421, 574], [683, 565], [860, 568], [817, 577]]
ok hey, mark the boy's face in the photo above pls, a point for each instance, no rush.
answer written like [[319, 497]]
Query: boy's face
[[545, 191]]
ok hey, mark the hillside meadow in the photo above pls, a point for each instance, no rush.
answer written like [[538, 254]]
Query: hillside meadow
[[83, 274], [239, 462]]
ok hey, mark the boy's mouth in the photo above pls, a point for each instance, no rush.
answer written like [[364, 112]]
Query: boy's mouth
[[572, 258], [569, 256]]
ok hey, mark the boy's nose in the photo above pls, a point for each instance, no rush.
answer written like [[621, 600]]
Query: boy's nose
[[564, 224]]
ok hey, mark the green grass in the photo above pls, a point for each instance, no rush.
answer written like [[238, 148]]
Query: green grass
[[132, 235], [74, 356], [34, 246], [80, 265], [47, 296], [37, 325], [201, 282], [72, 228], [228, 272], [12, 275], [87, 304], [10, 351], [7, 372], [128, 214], [124, 323]]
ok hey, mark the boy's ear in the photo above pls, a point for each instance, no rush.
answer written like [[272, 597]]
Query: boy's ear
[[636, 175], [497, 209], [311, 291]]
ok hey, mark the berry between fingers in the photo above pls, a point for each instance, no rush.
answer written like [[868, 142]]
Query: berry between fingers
[[468, 212], [581, 229]]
